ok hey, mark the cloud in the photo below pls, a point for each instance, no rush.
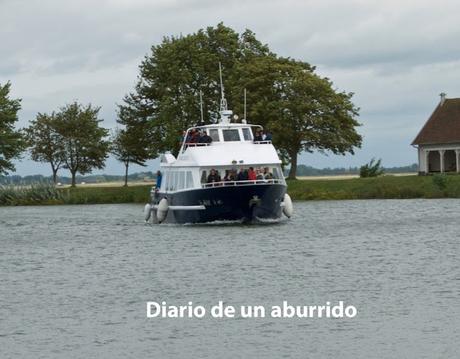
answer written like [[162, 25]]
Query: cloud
[[395, 56]]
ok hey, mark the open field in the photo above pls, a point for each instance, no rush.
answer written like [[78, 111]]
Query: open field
[[385, 187]]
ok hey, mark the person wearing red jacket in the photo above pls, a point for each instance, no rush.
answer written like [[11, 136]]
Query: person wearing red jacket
[[252, 174]]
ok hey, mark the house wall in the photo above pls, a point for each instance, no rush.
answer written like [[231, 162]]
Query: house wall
[[429, 157]]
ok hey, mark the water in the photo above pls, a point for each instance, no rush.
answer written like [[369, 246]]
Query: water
[[75, 281]]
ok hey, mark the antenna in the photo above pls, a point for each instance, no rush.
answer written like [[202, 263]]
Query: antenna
[[201, 106], [244, 104], [223, 101]]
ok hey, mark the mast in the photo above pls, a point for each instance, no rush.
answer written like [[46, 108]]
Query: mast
[[244, 104], [225, 113], [201, 106]]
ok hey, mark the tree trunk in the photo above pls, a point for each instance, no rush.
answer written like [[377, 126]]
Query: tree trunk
[[126, 174], [293, 169], [55, 176], [54, 170], [74, 184]]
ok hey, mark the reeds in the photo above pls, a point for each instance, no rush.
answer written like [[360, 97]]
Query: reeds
[[11, 195]]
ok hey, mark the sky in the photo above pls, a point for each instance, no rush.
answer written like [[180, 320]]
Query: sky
[[395, 56]]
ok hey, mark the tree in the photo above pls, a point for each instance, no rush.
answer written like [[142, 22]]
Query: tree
[[11, 140], [45, 142], [83, 140], [301, 108], [166, 97], [125, 147]]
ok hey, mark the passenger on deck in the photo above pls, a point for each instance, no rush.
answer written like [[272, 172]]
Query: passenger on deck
[[242, 175], [159, 178], [230, 176], [267, 174], [195, 136], [205, 138], [213, 176], [252, 176], [259, 175], [258, 136]]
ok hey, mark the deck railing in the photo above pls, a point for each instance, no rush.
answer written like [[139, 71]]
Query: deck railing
[[242, 183]]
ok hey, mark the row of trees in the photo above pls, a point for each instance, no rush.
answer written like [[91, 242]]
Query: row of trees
[[71, 138], [302, 109]]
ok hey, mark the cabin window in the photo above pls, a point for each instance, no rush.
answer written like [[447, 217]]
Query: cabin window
[[204, 178], [231, 135], [214, 134], [189, 180], [247, 134], [276, 173]]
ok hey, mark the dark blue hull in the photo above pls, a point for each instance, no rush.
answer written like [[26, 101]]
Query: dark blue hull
[[247, 202]]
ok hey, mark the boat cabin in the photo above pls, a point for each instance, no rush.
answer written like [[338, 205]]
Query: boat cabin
[[231, 150]]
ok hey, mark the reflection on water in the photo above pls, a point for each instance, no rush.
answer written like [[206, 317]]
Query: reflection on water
[[75, 281]]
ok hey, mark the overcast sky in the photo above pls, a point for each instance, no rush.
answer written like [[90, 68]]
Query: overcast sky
[[396, 56]]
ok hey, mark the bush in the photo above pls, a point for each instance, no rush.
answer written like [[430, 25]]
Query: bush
[[371, 169]]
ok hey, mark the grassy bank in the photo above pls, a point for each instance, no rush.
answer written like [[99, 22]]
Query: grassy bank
[[48, 195], [385, 187]]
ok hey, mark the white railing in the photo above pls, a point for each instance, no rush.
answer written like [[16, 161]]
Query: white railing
[[242, 183]]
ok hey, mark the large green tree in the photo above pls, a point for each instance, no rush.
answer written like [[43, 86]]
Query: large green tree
[[166, 97], [126, 148], [11, 140], [85, 146], [302, 109], [46, 142]]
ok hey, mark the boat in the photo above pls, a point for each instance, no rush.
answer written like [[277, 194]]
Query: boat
[[202, 185]]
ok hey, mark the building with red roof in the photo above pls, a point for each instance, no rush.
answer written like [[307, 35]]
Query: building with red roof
[[438, 141]]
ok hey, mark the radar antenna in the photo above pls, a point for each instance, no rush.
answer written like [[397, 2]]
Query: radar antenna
[[223, 101]]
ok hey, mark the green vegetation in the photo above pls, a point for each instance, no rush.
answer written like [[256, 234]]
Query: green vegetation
[[371, 169], [40, 194], [11, 140], [46, 194], [302, 110], [384, 187], [125, 147]]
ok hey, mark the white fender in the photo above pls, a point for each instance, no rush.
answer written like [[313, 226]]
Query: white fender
[[162, 210], [288, 208], [147, 212]]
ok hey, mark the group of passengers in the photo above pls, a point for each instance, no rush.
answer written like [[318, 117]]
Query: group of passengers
[[241, 175], [261, 135], [200, 136], [197, 136]]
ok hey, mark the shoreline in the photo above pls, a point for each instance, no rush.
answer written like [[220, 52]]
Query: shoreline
[[384, 187]]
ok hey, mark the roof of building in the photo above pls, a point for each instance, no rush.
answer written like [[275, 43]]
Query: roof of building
[[443, 126]]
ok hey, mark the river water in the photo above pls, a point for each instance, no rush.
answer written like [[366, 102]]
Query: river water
[[75, 281]]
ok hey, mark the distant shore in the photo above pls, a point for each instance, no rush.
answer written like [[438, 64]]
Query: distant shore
[[311, 188]]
